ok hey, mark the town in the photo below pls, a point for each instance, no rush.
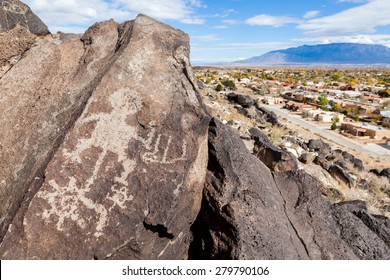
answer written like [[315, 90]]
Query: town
[[354, 103]]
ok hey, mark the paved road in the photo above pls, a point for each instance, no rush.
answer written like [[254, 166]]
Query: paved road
[[370, 149]]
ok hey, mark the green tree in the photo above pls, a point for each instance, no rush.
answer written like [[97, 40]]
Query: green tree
[[322, 100], [229, 84], [219, 87], [333, 126], [336, 107]]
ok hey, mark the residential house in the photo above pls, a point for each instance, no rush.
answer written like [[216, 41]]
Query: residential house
[[386, 118], [365, 130]]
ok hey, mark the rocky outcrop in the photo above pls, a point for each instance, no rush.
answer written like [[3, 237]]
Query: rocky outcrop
[[319, 146], [250, 213], [270, 116], [273, 157], [242, 215], [341, 175], [126, 180], [14, 12], [243, 100], [14, 43]]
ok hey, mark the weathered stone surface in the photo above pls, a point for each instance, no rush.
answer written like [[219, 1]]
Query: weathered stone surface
[[243, 100], [307, 158], [46, 101], [330, 231], [126, 181], [13, 44], [367, 236], [357, 163], [242, 215], [270, 116], [319, 146], [14, 12], [274, 158], [341, 175], [252, 113], [385, 173]]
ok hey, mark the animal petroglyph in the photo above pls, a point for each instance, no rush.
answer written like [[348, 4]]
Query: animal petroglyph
[[160, 152]]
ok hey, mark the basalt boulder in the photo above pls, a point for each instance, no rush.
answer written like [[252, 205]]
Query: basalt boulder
[[111, 155], [273, 157]]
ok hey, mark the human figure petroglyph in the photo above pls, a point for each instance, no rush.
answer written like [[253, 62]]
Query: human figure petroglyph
[[66, 200]]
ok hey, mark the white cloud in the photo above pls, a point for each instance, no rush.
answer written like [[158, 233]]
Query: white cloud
[[197, 3], [230, 21], [268, 20], [381, 39], [73, 15], [361, 19], [225, 13], [207, 38], [311, 14], [221, 27]]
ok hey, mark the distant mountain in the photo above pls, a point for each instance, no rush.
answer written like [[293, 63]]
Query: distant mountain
[[336, 53]]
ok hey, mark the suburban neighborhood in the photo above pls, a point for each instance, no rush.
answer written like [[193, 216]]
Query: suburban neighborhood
[[354, 103]]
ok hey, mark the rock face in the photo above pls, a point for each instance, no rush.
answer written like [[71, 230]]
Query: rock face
[[126, 181], [14, 43], [250, 213], [274, 158], [242, 214], [14, 12]]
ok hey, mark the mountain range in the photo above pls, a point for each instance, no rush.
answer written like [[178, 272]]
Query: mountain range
[[335, 53]]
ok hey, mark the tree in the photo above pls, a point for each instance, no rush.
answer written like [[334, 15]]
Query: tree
[[384, 93], [322, 100], [229, 84], [336, 107], [219, 87], [333, 126]]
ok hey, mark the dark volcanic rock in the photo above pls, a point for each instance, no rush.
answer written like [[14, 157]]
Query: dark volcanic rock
[[126, 182], [377, 172], [307, 158], [243, 100], [271, 116], [242, 215], [331, 231], [369, 237], [252, 113], [245, 209], [341, 175], [319, 146], [357, 163], [385, 173], [14, 12], [274, 158]]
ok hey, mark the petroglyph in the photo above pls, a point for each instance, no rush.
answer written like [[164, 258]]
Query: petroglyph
[[164, 150], [17, 9], [66, 201], [170, 243]]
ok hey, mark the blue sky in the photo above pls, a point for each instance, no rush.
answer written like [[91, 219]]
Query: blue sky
[[230, 30]]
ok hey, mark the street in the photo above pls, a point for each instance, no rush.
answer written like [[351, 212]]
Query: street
[[370, 149]]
